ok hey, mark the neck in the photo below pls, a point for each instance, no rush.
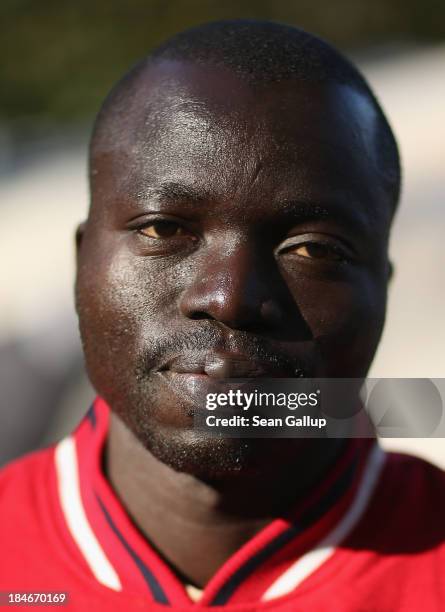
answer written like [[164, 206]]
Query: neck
[[180, 514]]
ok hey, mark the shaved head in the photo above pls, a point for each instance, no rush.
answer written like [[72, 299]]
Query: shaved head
[[260, 53]]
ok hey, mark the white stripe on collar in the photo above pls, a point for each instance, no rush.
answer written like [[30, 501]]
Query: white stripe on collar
[[76, 519], [313, 559]]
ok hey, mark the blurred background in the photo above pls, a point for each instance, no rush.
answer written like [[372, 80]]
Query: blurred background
[[59, 59]]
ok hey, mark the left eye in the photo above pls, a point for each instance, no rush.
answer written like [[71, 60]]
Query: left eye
[[163, 229], [317, 250]]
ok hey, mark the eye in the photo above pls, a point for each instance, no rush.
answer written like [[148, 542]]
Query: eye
[[318, 250], [159, 230]]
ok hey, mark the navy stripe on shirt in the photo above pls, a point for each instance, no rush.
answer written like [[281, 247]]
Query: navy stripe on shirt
[[150, 579], [305, 520]]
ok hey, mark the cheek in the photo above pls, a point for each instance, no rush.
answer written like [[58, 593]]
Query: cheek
[[346, 320], [123, 301], [106, 329], [340, 307]]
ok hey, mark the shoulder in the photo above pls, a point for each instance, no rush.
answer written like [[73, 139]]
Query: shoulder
[[414, 479], [23, 471], [32, 527], [407, 507], [26, 488], [22, 475]]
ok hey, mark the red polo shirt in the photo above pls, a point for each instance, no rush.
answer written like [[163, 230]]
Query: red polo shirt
[[369, 537]]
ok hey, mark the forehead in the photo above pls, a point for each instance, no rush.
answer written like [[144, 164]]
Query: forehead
[[204, 126]]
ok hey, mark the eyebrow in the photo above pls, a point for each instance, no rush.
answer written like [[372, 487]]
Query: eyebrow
[[176, 191], [295, 210], [338, 210]]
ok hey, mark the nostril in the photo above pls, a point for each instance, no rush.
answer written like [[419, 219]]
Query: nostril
[[201, 315]]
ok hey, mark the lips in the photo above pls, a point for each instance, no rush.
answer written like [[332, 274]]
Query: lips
[[192, 378], [220, 364]]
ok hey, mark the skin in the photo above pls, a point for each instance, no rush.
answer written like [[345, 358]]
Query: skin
[[274, 256]]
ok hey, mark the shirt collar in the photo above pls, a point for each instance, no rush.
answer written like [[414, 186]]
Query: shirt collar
[[271, 564]]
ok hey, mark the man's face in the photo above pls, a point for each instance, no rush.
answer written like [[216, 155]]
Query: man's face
[[234, 231]]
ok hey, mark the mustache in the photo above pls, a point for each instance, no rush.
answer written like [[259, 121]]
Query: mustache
[[205, 339]]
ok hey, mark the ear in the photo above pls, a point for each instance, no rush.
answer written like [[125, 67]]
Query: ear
[[80, 231]]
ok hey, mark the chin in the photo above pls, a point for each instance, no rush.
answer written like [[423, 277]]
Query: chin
[[212, 458], [170, 437], [203, 456]]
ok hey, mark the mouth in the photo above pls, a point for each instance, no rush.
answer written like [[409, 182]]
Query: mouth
[[226, 365], [193, 379]]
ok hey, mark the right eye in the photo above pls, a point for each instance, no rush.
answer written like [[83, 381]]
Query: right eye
[[314, 250], [159, 230]]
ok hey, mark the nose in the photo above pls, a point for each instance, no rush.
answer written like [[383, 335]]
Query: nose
[[242, 289]]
